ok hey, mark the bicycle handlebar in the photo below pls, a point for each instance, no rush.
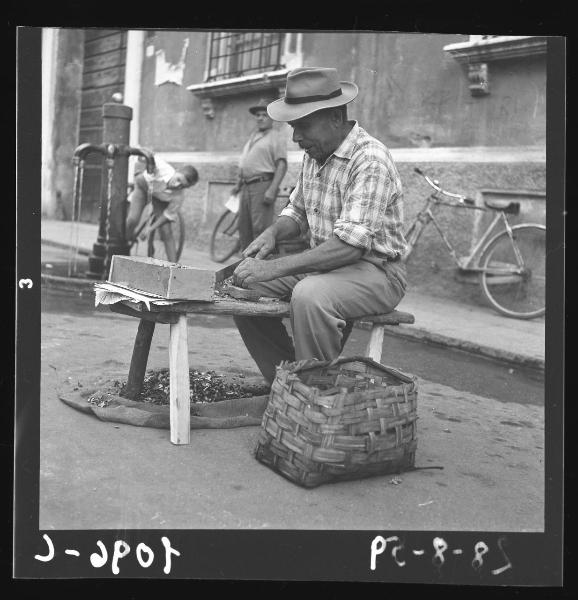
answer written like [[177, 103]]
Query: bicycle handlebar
[[435, 185]]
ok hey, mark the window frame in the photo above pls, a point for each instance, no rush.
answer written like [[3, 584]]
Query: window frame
[[484, 48], [240, 47], [291, 56]]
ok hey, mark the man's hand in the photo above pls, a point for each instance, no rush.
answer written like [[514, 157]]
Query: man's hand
[[261, 246], [252, 270], [270, 196]]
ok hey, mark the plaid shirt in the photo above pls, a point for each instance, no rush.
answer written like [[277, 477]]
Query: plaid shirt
[[355, 195]]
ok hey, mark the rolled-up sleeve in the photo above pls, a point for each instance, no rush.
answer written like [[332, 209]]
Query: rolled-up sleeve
[[296, 208], [163, 171], [364, 205]]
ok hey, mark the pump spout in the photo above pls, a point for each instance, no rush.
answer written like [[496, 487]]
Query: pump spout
[[146, 154], [84, 150]]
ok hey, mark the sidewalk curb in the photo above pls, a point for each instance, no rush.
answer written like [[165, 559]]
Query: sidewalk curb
[[68, 283], [422, 335], [64, 246]]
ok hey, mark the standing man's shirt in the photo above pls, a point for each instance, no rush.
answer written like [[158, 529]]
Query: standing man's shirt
[[162, 175], [355, 195], [261, 153]]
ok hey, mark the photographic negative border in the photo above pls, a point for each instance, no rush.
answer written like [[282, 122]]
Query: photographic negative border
[[535, 558]]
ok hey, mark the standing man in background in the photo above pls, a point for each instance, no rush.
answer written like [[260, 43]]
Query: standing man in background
[[262, 166]]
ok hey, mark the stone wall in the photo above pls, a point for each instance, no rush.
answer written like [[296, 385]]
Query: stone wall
[[63, 128]]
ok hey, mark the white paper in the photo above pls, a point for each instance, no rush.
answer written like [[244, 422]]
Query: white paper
[[232, 203], [109, 293]]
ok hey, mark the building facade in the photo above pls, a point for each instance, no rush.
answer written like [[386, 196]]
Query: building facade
[[469, 110]]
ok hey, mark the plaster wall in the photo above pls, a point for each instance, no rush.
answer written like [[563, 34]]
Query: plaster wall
[[412, 94], [67, 84]]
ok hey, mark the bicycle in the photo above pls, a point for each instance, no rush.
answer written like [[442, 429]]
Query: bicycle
[[511, 264], [225, 236], [153, 245]]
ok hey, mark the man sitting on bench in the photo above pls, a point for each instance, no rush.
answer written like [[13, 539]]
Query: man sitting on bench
[[349, 196]]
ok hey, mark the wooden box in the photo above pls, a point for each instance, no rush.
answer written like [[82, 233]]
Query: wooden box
[[168, 280]]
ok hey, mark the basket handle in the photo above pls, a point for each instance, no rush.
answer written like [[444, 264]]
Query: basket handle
[[305, 365]]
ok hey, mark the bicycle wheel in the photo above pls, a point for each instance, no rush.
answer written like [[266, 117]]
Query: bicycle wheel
[[225, 237], [513, 276]]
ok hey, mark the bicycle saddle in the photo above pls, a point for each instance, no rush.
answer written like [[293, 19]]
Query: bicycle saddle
[[511, 208]]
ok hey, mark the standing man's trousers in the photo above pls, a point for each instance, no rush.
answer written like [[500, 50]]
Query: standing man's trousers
[[320, 305], [254, 215]]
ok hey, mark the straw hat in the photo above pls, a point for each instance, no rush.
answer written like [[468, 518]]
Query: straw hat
[[310, 89]]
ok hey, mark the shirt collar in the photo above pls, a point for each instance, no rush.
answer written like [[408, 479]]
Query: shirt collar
[[261, 132], [347, 146]]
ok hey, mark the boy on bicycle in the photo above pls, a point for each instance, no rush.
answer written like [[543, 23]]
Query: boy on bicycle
[[167, 185]]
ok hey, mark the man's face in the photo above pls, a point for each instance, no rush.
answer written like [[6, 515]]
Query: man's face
[[178, 182], [263, 120], [316, 135]]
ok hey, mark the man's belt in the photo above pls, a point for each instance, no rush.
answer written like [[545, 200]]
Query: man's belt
[[381, 261], [257, 178]]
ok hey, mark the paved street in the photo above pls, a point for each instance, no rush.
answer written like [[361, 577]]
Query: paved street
[[119, 476]]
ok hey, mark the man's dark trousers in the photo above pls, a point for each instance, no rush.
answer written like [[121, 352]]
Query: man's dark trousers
[[254, 215]]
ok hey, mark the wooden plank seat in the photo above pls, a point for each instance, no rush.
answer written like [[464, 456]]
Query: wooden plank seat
[[175, 315]]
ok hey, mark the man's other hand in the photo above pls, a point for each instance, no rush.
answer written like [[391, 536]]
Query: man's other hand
[[269, 196], [261, 246], [252, 270]]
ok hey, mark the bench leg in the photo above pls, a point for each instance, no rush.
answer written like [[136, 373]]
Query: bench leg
[[375, 344], [179, 382], [140, 355]]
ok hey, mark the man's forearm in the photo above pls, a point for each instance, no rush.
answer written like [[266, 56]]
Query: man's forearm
[[330, 255], [239, 182], [280, 170], [284, 228], [159, 222]]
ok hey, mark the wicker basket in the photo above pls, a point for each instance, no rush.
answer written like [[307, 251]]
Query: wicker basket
[[336, 420]]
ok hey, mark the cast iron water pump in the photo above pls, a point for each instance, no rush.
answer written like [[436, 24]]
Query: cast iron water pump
[[113, 206]]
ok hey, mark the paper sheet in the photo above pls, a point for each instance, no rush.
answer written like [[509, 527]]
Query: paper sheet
[[109, 293], [232, 203]]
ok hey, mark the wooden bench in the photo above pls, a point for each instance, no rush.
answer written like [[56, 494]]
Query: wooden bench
[[176, 316]]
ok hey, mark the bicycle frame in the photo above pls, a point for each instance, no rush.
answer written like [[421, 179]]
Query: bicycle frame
[[144, 221], [426, 216], [233, 226], [147, 219]]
